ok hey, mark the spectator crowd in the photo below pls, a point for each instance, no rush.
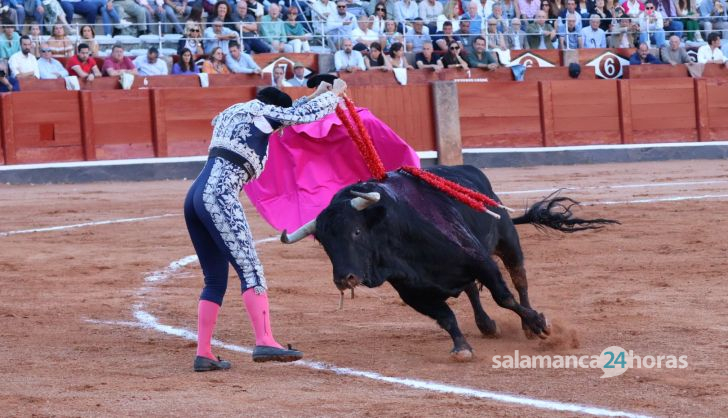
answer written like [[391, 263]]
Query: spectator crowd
[[218, 37]]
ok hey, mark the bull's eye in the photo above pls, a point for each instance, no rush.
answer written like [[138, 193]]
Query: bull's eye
[[357, 232]]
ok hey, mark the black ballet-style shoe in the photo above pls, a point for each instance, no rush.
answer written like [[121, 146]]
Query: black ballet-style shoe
[[264, 353], [204, 364]]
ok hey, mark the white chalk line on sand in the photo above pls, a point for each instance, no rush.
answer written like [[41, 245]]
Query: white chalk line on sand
[[85, 224], [148, 321], [595, 203]]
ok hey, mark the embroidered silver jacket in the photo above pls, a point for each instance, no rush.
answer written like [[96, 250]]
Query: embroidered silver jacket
[[244, 128]]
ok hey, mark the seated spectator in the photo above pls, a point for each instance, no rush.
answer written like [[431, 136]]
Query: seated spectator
[[426, 58], [207, 5], [570, 38], [429, 11], [493, 38], [249, 28], [14, 12], [396, 57], [570, 10], [515, 37], [651, 26], [9, 40], [91, 9], [59, 43], [186, 63], [83, 65], [273, 29], [451, 13], [49, 68], [481, 58], [714, 16], [605, 15], [540, 35], [239, 62], [218, 36], [686, 10], [390, 35], [528, 9], [88, 36], [666, 8], [347, 59], [153, 11], [711, 53], [8, 83], [643, 56], [375, 58], [297, 36], [475, 21], [623, 35], [593, 36], [511, 10], [151, 64], [441, 40], [136, 12], [320, 12], [221, 11], [452, 58], [552, 17], [673, 53], [256, 9], [362, 35], [117, 64], [52, 13], [279, 77], [340, 25], [417, 35], [35, 39], [174, 11], [633, 8], [23, 64], [380, 16], [192, 39], [216, 63], [299, 76], [405, 11], [466, 39], [500, 19]]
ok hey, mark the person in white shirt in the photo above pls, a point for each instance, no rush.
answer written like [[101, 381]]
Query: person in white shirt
[[652, 29], [23, 63], [150, 64], [362, 34], [429, 10], [340, 25], [593, 36], [347, 59], [405, 10], [279, 77], [711, 53], [49, 67]]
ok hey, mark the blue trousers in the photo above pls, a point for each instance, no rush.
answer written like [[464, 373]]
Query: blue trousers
[[219, 230]]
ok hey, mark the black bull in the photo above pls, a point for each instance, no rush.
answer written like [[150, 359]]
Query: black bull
[[430, 247]]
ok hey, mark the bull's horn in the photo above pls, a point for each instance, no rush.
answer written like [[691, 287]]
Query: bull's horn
[[364, 200], [299, 234]]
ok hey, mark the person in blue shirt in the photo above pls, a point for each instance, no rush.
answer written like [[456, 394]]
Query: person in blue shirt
[[643, 56], [239, 62], [49, 67], [186, 63]]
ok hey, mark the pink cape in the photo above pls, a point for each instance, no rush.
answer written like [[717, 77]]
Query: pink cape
[[311, 162]]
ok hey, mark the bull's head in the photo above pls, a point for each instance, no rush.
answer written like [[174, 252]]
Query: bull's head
[[347, 229]]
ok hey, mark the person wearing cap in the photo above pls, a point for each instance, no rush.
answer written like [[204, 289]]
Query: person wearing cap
[[216, 220], [299, 76], [150, 64]]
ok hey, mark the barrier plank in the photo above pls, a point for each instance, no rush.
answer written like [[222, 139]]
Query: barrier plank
[[663, 111], [585, 112], [122, 124], [717, 109], [408, 111], [655, 71], [45, 126], [187, 115], [500, 114]]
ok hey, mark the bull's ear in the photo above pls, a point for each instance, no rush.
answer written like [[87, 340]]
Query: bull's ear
[[374, 215]]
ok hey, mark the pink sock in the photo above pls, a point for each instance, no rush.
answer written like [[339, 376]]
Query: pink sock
[[259, 314], [206, 320]]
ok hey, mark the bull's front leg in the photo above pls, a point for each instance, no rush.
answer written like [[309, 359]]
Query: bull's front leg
[[435, 307]]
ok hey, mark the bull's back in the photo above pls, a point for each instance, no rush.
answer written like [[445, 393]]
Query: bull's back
[[465, 175]]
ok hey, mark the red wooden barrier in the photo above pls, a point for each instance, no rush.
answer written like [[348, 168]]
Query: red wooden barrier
[[500, 115], [583, 113], [716, 108], [663, 111], [655, 71], [122, 124]]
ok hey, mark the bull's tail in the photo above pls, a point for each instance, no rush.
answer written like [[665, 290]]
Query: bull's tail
[[556, 212]]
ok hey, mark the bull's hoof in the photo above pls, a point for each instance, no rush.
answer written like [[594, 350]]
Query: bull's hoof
[[462, 355], [492, 330], [537, 326]]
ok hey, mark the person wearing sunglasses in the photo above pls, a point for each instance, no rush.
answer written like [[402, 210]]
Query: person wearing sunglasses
[[49, 67], [192, 39], [340, 25], [652, 30], [379, 17], [453, 59]]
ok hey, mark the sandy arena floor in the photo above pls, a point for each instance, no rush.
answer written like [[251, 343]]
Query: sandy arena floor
[[74, 299]]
